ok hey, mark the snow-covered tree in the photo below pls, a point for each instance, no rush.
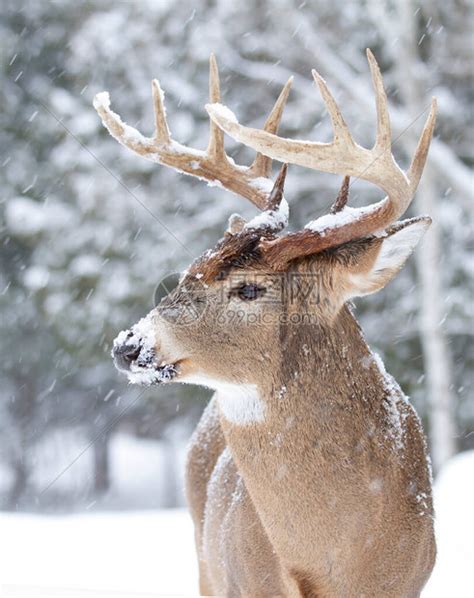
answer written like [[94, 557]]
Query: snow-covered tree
[[88, 229]]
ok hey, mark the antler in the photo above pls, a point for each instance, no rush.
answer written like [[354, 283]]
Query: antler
[[212, 165], [342, 156]]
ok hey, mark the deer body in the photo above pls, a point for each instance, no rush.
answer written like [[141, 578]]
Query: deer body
[[308, 473], [303, 500]]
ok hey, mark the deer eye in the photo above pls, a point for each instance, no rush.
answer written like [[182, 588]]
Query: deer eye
[[250, 292]]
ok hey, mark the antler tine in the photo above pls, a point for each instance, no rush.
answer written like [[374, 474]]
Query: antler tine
[[341, 130], [342, 197], [419, 159], [262, 165], [162, 133], [211, 165], [383, 140], [341, 156], [276, 194], [126, 135], [215, 149]]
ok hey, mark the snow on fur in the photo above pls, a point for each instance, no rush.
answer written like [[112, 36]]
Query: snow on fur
[[396, 416], [324, 223], [272, 219]]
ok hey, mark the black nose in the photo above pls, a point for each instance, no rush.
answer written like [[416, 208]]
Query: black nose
[[124, 355]]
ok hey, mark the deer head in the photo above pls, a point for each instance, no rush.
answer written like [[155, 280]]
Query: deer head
[[225, 321]]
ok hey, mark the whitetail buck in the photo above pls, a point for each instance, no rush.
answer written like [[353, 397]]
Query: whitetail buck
[[307, 474]]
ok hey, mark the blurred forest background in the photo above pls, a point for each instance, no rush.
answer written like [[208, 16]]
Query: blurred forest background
[[81, 256]]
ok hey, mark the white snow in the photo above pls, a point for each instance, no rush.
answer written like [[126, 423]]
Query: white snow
[[143, 334], [454, 500], [131, 553], [221, 111], [102, 100], [219, 472], [391, 385], [394, 396], [148, 376], [215, 183], [262, 183], [103, 554], [152, 467], [128, 134], [273, 219], [322, 224]]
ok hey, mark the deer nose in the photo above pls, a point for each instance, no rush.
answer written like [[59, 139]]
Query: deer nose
[[125, 354]]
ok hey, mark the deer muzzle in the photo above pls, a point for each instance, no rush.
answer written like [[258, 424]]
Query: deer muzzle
[[135, 355], [126, 353]]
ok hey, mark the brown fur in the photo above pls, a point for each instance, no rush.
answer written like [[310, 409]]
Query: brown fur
[[342, 536], [305, 585], [232, 251]]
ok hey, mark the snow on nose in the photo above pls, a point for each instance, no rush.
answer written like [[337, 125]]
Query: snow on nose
[[135, 346]]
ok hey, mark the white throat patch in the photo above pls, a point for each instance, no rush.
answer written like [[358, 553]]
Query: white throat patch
[[240, 404]]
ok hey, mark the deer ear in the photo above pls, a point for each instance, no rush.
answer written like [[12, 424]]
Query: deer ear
[[384, 257]]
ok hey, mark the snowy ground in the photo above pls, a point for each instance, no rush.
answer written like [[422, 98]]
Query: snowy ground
[[152, 553], [454, 502], [107, 554]]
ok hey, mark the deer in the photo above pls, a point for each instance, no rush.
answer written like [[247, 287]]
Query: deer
[[308, 473]]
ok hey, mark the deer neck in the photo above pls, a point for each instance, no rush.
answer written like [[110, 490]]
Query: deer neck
[[304, 425], [316, 369]]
